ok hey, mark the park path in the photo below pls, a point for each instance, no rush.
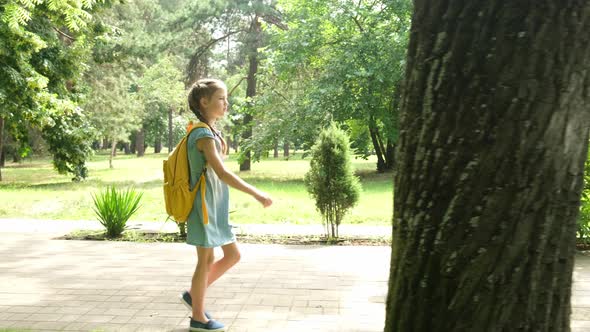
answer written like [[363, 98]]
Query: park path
[[49, 284]]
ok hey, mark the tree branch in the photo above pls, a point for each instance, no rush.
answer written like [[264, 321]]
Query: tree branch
[[240, 82], [64, 34]]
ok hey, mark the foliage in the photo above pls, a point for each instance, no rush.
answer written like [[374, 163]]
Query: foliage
[[584, 216], [348, 58], [68, 136], [114, 110], [45, 44], [114, 207], [330, 180]]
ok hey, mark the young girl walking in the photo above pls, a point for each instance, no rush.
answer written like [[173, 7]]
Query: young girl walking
[[208, 101]]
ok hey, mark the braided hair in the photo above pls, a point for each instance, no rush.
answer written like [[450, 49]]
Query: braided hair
[[205, 88]]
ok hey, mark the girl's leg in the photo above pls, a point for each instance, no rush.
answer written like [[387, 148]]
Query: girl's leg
[[200, 282], [231, 255]]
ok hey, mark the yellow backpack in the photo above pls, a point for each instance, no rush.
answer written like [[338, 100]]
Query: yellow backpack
[[177, 194]]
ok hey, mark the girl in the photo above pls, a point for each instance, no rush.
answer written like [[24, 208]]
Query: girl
[[208, 100]]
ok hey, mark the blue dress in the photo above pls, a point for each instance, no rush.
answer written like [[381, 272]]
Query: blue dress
[[218, 231]]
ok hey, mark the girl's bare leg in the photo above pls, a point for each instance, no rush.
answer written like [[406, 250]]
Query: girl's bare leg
[[231, 255], [200, 282]]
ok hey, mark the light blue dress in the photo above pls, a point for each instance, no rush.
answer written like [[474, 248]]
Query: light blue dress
[[218, 232]]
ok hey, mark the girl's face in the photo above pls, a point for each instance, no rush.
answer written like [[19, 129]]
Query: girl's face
[[216, 106]]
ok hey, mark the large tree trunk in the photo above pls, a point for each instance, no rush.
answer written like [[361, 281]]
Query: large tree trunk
[[494, 133], [251, 87], [275, 149], [1, 145], [140, 142]]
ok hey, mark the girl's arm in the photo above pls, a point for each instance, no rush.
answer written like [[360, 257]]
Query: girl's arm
[[207, 146]]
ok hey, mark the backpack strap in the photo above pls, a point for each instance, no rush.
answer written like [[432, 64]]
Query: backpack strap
[[202, 183]]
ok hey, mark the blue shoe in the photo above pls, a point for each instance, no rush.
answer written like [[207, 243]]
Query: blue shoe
[[187, 300], [211, 325]]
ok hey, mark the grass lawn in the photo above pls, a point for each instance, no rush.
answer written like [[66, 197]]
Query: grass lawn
[[33, 189]]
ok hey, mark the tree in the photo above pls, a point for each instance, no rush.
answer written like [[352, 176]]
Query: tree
[[113, 108], [330, 180], [354, 76], [238, 23], [42, 55], [162, 89], [494, 134]]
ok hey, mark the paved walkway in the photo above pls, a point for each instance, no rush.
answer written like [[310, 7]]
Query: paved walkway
[[48, 284]]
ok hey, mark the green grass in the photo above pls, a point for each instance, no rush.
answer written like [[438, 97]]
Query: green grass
[[33, 189]]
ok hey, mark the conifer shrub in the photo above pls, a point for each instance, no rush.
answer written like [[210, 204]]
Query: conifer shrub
[[331, 181]]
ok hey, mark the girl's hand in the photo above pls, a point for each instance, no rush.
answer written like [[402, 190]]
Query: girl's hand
[[264, 199]]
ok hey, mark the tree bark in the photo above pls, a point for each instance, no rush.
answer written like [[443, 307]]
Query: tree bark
[[275, 153], [255, 31], [140, 142], [494, 133]]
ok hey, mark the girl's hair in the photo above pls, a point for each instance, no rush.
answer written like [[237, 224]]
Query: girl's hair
[[205, 88]]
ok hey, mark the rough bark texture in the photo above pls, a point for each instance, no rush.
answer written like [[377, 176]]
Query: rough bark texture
[[494, 132]]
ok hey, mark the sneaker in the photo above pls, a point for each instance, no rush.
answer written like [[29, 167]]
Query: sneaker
[[211, 325], [187, 300]]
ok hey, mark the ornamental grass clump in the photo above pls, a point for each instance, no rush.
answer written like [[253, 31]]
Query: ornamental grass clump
[[114, 207], [331, 180]]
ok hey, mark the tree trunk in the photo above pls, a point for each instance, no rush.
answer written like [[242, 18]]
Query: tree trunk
[[16, 158], [373, 131], [170, 130], [494, 133], [158, 144], [1, 145], [389, 156], [105, 143], [126, 148], [140, 142], [251, 87], [113, 152], [286, 148], [275, 150]]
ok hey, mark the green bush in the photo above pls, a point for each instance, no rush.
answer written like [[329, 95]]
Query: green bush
[[330, 180], [584, 216], [114, 207]]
